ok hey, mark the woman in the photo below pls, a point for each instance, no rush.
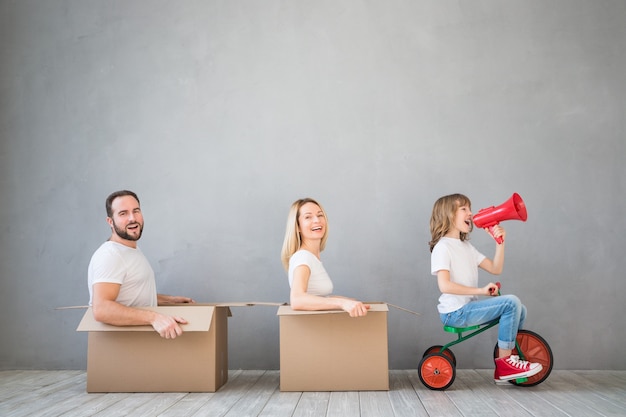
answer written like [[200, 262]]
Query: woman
[[305, 239]]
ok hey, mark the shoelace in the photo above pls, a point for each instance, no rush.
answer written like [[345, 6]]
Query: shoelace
[[515, 361]]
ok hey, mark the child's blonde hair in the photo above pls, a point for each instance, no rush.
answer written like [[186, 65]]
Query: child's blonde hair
[[442, 218]]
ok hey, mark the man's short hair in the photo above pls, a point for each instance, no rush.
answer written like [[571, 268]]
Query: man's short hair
[[115, 195]]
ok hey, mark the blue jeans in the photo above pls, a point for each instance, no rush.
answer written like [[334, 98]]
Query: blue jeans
[[508, 308]]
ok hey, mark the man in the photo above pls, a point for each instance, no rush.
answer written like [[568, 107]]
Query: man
[[121, 278]]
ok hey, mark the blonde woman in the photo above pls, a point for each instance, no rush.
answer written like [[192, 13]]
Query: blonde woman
[[305, 239]]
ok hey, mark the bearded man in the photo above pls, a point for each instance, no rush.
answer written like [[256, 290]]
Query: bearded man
[[120, 277]]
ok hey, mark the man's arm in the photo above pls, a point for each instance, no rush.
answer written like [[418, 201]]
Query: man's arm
[[163, 299], [107, 310]]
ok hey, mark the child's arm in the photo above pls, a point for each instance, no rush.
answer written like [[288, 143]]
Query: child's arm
[[448, 287], [496, 265]]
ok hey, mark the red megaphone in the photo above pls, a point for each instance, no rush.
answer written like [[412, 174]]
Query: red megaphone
[[512, 209]]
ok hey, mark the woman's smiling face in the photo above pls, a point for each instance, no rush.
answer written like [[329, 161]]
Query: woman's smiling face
[[311, 221]]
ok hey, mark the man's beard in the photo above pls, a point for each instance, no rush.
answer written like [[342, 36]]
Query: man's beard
[[124, 235]]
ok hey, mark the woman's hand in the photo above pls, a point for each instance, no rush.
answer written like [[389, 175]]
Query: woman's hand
[[354, 308]]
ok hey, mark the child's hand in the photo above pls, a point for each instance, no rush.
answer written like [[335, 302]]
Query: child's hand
[[498, 232], [492, 289]]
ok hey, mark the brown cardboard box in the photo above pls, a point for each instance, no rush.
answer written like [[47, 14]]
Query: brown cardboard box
[[331, 351], [137, 359]]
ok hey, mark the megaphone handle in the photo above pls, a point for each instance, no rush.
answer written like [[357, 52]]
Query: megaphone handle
[[499, 240]]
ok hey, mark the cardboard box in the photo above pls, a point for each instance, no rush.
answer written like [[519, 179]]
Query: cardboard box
[[331, 351], [137, 359]]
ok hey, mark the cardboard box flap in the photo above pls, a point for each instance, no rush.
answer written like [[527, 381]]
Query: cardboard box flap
[[198, 318], [288, 311], [238, 304]]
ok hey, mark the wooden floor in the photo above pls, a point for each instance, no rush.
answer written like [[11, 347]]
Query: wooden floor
[[256, 393]]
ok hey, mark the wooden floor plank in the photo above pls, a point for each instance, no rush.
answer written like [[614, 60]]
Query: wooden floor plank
[[553, 394], [218, 405], [312, 404], [163, 402], [602, 384], [91, 404], [281, 404], [572, 388], [491, 395], [186, 406], [344, 403], [194, 401], [41, 394], [30, 380], [254, 401], [256, 393], [516, 397], [436, 403], [146, 404], [8, 379], [126, 405], [470, 401], [375, 404], [402, 396]]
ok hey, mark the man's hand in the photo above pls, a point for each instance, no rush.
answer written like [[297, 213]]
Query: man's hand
[[163, 299], [168, 326]]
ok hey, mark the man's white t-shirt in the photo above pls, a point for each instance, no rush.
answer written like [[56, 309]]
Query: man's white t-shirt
[[116, 263], [319, 281], [461, 258]]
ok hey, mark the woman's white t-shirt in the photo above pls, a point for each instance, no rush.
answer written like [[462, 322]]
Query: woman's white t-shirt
[[319, 281], [461, 258]]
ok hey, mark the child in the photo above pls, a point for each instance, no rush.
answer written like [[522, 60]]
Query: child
[[455, 262]]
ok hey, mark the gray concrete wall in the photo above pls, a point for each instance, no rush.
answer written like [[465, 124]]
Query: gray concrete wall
[[219, 114]]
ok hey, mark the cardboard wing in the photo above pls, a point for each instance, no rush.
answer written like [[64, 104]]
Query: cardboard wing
[[198, 320]]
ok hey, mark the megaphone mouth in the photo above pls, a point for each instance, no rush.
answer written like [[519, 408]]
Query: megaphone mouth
[[520, 207]]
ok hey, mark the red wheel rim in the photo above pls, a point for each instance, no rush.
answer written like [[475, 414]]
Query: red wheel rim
[[436, 371], [535, 349]]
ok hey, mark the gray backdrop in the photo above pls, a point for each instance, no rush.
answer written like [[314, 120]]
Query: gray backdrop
[[220, 114]]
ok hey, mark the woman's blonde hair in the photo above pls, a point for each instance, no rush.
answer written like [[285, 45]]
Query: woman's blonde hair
[[293, 241], [442, 219]]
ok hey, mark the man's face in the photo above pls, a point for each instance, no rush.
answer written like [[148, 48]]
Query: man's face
[[127, 221]]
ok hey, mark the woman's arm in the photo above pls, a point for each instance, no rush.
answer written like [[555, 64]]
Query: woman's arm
[[301, 300]]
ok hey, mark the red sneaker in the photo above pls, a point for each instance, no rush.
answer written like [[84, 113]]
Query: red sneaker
[[512, 367]]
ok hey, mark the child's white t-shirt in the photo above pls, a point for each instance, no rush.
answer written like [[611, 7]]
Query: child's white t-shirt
[[461, 258]]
